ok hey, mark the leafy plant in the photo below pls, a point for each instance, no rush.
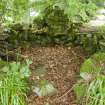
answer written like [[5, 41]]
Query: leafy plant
[[78, 7], [90, 89], [17, 11], [58, 22], [13, 82], [44, 88]]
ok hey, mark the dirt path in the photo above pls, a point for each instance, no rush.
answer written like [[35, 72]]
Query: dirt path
[[62, 65]]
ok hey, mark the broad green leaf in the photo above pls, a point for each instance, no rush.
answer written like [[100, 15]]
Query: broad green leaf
[[45, 89]]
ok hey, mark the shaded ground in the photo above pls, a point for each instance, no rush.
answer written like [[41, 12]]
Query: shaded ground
[[62, 65]]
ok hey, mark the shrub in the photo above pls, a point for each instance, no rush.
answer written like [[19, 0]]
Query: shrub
[[92, 41]]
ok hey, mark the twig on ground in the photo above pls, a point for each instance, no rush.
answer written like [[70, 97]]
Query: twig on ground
[[63, 94]]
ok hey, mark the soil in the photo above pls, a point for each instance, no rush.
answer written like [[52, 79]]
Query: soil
[[62, 65]]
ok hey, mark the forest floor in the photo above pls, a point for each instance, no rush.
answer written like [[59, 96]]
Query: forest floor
[[63, 66]]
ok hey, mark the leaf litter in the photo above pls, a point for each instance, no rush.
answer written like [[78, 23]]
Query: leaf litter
[[59, 66]]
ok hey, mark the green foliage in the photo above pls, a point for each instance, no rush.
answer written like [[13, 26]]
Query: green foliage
[[52, 30], [93, 64], [58, 23], [19, 11], [78, 7], [49, 29], [82, 10], [13, 82], [14, 9], [80, 90], [91, 87], [92, 41]]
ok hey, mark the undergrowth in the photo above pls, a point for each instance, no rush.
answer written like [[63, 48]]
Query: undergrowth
[[90, 90], [13, 83]]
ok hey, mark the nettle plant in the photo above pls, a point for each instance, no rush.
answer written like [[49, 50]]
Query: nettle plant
[[91, 87], [13, 82]]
